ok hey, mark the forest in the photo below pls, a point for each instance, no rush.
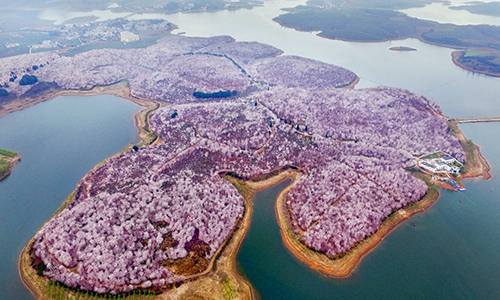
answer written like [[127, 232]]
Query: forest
[[150, 217]]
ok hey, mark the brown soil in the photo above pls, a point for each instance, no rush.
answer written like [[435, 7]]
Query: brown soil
[[455, 56], [352, 84]]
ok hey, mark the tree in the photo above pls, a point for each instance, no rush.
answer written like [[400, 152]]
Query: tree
[[28, 80]]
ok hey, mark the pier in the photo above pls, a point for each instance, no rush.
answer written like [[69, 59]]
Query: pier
[[475, 120]]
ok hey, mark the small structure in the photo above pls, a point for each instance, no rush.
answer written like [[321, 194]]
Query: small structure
[[127, 36], [440, 163], [427, 166], [11, 45]]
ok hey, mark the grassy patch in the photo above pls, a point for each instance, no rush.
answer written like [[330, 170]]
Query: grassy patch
[[240, 185], [55, 290], [227, 289], [8, 153], [433, 155], [473, 53], [4, 166]]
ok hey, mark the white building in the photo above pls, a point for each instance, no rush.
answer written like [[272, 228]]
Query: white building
[[11, 45], [127, 37], [427, 166], [441, 165]]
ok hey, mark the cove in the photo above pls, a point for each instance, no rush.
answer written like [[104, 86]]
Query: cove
[[59, 140], [448, 252]]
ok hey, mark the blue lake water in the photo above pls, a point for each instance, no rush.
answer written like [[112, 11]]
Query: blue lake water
[[59, 140]]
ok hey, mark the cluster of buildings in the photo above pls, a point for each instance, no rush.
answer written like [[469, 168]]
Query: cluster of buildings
[[118, 29], [442, 164]]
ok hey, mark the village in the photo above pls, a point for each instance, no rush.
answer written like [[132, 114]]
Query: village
[[443, 168]]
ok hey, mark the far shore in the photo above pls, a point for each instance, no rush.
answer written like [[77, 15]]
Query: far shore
[[118, 89], [455, 55]]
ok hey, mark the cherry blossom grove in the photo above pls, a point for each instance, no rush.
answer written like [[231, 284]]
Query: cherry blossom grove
[[151, 217]]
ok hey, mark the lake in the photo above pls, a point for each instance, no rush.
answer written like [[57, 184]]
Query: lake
[[60, 141], [451, 253]]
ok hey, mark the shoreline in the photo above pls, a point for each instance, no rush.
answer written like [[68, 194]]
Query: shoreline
[[34, 283], [455, 55], [346, 264], [119, 89], [351, 85], [12, 162], [225, 257], [223, 264]]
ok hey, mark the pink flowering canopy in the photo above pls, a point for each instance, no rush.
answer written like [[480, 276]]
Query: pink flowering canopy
[[238, 108]]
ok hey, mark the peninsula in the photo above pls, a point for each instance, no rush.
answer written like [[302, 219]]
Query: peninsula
[[480, 61], [7, 161], [224, 119]]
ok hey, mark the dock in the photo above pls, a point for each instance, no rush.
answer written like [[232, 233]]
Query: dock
[[475, 120]]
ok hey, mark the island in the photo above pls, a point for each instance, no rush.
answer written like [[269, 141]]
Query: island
[[165, 217], [364, 23], [402, 49], [7, 161]]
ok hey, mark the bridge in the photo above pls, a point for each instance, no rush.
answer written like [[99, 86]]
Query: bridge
[[476, 120]]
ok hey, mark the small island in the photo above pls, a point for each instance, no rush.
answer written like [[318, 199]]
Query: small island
[[402, 49], [366, 23], [224, 119], [480, 8], [7, 161]]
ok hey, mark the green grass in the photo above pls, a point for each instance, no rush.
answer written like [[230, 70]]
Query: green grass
[[433, 155], [7, 152], [4, 166], [55, 290], [473, 53], [227, 289]]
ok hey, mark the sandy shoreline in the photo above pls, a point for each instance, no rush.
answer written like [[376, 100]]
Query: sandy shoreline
[[455, 55], [118, 89], [37, 284], [343, 267], [12, 161], [221, 266]]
